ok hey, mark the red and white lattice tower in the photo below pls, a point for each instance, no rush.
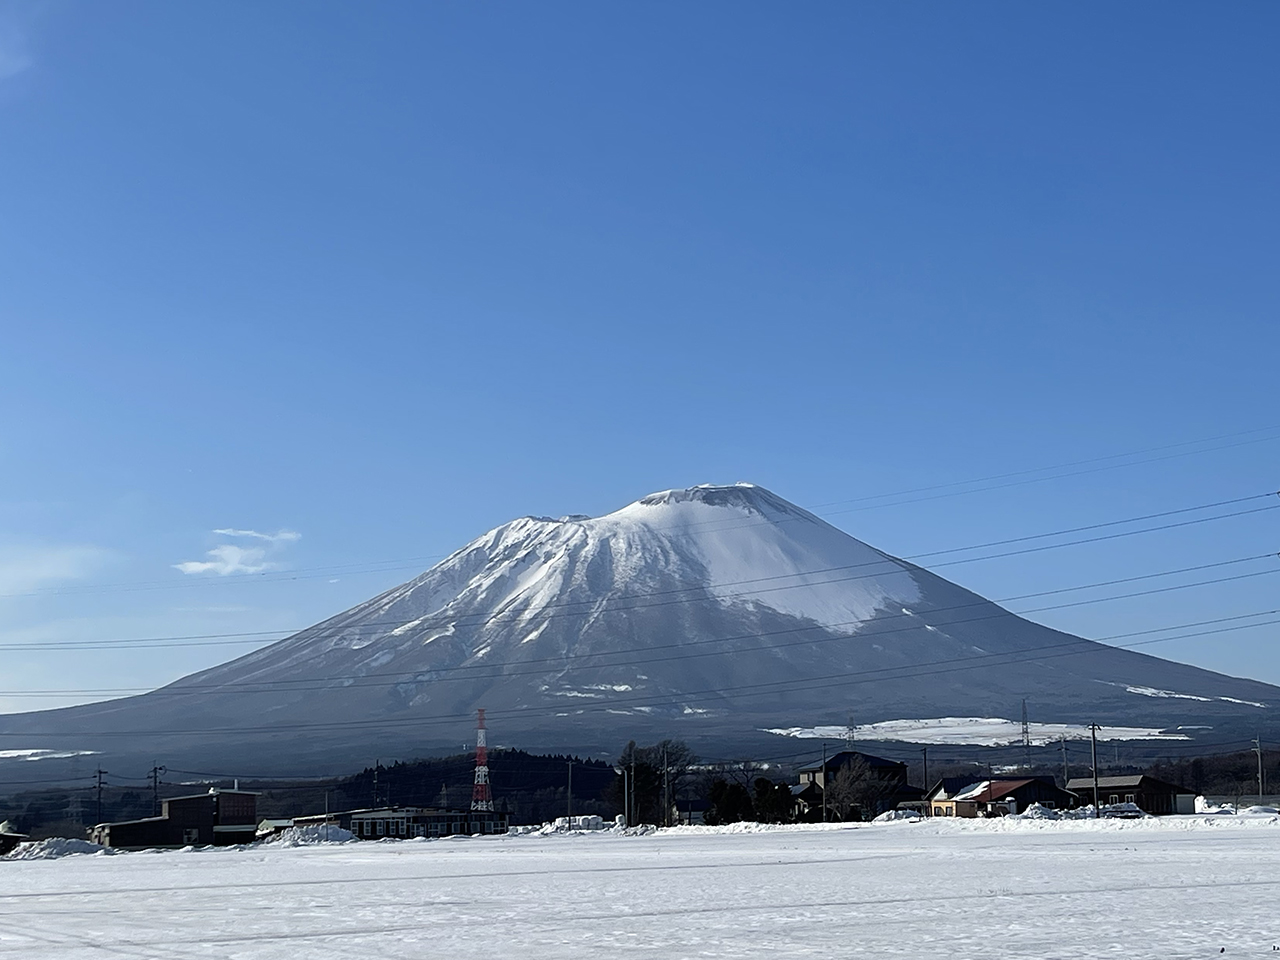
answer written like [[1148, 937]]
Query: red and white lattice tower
[[481, 797]]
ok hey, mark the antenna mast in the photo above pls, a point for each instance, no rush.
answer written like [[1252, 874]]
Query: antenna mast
[[481, 797]]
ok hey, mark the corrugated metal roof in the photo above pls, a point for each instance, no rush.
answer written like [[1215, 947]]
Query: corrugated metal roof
[[1131, 782]]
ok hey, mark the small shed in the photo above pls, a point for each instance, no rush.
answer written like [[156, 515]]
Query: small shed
[[1147, 793]]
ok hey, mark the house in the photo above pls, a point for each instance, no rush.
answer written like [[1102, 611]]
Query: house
[[882, 769], [997, 798], [888, 777], [218, 818], [939, 800], [1147, 793], [406, 822]]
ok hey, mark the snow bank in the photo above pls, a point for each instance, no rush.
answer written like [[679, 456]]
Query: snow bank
[[587, 824], [1257, 812], [54, 848], [308, 835], [893, 816], [1037, 812], [1204, 806]]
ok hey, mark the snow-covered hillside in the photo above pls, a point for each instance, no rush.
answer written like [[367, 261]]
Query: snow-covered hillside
[[716, 611]]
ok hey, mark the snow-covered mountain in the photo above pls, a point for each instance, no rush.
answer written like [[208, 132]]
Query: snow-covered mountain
[[712, 612]]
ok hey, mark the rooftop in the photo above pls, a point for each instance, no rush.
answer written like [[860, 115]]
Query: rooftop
[[1132, 782], [848, 756]]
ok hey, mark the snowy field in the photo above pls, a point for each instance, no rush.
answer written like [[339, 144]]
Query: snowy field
[[1169, 888]]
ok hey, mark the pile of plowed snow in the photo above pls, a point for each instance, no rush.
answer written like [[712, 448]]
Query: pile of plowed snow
[[893, 816], [310, 834], [53, 848], [1123, 811]]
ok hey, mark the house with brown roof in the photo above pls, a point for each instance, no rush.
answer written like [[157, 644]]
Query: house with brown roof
[[999, 798]]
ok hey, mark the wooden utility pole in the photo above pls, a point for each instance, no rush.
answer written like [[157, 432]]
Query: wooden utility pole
[[100, 772], [823, 773], [155, 789], [569, 806], [1026, 737], [1093, 737], [1257, 748], [666, 789]]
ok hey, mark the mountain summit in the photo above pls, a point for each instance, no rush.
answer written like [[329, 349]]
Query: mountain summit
[[708, 612]]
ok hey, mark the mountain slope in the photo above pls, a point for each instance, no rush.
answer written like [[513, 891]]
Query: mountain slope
[[717, 611]]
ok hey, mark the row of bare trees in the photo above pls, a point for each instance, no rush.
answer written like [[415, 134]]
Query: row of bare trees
[[656, 780]]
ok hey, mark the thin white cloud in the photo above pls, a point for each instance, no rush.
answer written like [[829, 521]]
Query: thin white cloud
[[228, 559], [27, 568], [280, 536]]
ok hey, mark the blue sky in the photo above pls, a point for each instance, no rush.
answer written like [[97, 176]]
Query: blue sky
[[367, 280]]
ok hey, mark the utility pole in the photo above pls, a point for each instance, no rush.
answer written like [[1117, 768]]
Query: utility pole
[[626, 795], [823, 774], [1093, 737], [634, 811], [1026, 737], [924, 752], [1257, 748], [1066, 771], [569, 792], [155, 789], [377, 765], [666, 789], [99, 773]]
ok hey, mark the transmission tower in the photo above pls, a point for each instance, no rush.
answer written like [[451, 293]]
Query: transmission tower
[[481, 797]]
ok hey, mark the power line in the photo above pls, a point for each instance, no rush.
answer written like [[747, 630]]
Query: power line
[[456, 621], [825, 681], [502, 672], [379, 566], [1072, 463], [373, 626], [1061, 476]]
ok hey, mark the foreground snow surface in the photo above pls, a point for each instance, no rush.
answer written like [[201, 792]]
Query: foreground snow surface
[[1167, 888]]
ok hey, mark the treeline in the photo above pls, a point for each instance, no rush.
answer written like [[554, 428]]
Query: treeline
[[653, 784], [1233, 775], [531, 788]]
